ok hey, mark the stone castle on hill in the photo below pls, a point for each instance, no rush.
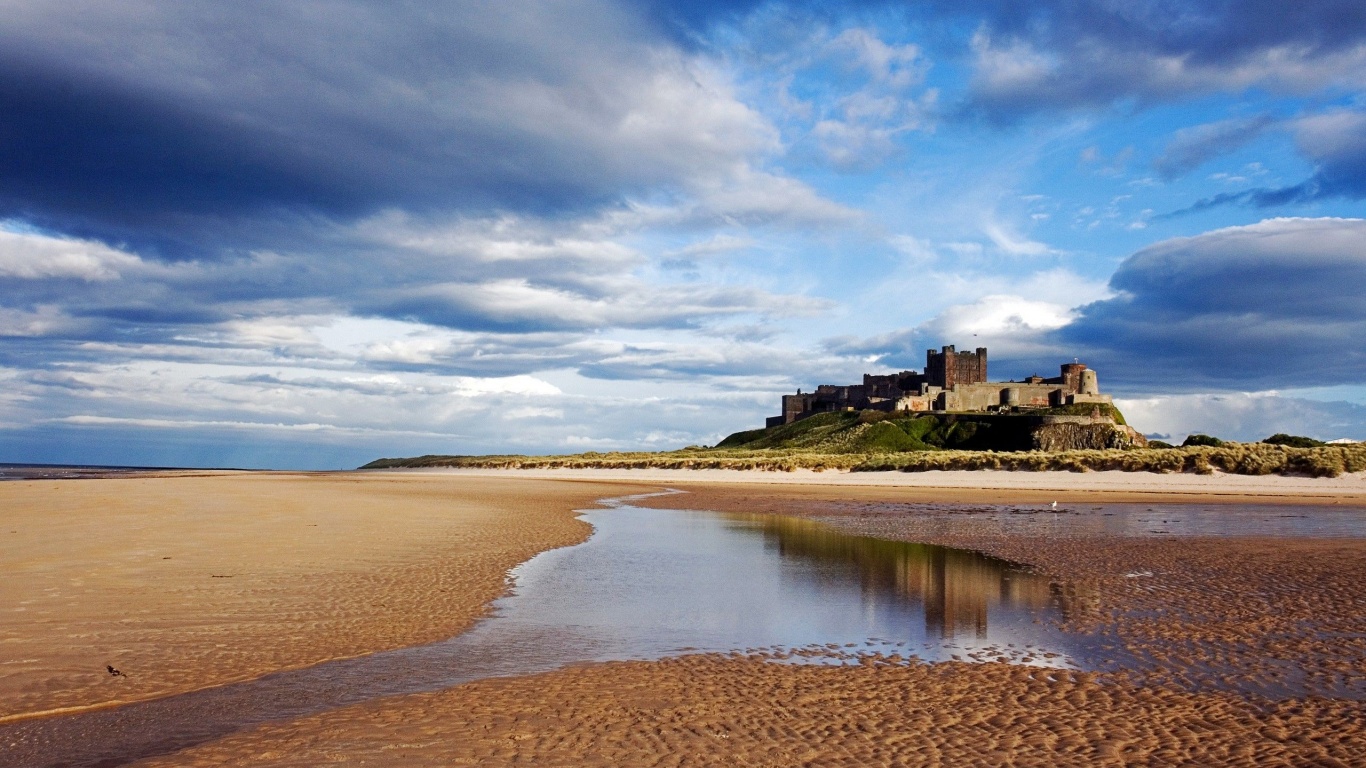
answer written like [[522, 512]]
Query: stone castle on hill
[[952, 382]]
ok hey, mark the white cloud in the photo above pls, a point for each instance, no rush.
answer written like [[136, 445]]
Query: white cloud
[[45, 320], [507, 240], [1243, 416], [32, 256], [916, 250], [747, 196], [1002, 68], [1011, 326], [995, 315], [844, 96], [711, 246], [467, 386], [1011, 242], [90, 420], [521, 305], [897, 66]]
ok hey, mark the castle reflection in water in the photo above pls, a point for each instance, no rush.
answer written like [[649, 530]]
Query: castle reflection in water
[[958, 588]]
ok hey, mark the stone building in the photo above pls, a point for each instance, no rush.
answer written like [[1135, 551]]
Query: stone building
[[952, 382]]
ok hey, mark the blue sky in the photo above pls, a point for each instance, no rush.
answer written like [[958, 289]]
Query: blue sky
[[303, 235]]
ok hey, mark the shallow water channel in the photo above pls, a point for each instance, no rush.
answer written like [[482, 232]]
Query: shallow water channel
[[648, 584]]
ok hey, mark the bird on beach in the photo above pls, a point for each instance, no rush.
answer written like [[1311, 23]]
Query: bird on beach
[[1055, 505], [114, 672]]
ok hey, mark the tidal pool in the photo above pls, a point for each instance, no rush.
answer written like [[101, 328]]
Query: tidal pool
[[649, 583], [654, 582], [1139, 519]]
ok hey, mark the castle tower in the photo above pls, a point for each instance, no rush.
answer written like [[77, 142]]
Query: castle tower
[[1089, 384], [949, 367], [1071, 377]]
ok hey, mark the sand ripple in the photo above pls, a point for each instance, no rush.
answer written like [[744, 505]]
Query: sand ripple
[[710, 710]]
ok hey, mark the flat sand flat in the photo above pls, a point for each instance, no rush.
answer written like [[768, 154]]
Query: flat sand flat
[[187, 581], [182, 581]]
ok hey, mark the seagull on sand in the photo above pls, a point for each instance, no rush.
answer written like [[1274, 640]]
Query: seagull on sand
[[1055, 505], [114, 672]]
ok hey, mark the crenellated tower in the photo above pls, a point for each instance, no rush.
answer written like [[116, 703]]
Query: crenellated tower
[[948, 367]]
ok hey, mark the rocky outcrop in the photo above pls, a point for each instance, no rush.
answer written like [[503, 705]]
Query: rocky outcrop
[[1085, 434]]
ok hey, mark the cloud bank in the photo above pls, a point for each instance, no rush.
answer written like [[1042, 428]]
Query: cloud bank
[[1276, 304]]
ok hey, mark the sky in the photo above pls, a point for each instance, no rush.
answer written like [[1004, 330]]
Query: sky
[[308, 235]]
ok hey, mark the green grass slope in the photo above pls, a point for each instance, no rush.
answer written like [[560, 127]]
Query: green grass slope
[[1234, 458], [882, 432], [873, 441]]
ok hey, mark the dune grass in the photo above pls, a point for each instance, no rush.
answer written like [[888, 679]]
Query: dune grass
[[1233, 458]]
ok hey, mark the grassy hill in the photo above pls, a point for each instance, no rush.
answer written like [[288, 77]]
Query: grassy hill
[[875, 441], [882, 432]]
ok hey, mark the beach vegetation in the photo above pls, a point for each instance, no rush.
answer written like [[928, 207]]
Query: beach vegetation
[[1229, 457], [903, 441], [1294, 441]]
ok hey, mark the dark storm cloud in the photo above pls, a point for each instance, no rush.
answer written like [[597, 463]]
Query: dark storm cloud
[[1336, 141], [136, 122], [169, 171], [1044, 56], [1277, 304], [186, 125]]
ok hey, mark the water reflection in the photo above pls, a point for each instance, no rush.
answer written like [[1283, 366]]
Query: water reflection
[[1133, 519], [649, 584], [957, 589]]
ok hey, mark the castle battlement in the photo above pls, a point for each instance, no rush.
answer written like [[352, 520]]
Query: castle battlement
[[952, 382]]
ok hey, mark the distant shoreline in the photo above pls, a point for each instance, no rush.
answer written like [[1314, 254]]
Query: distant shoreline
[[985, 486], [1252, 459], [20, 471]]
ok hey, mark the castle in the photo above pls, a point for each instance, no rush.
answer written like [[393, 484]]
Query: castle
[[952, 381]]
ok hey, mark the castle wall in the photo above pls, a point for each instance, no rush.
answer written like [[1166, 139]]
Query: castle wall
[[1084, 398], [982, 397], [953, 381], [893, 385]]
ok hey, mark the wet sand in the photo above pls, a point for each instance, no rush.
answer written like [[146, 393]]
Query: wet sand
[[183, 582], [1267, 615], [1279, 618], [710, 710], [984, 486]]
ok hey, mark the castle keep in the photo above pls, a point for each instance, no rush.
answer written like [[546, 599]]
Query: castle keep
[[952, 381]]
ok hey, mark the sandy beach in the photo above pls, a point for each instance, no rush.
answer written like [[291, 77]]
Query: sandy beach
[[1253, 645], [985, 485], [183, 582], [711, 710]]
